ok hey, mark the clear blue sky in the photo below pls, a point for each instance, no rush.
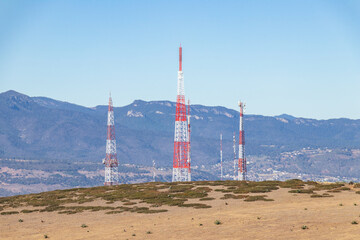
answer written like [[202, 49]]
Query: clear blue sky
[[296, 57]]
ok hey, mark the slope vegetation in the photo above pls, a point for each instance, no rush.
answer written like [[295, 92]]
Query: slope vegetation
[[197, 210]]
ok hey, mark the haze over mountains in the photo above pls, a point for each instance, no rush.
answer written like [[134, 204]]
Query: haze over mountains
[[51, 131]]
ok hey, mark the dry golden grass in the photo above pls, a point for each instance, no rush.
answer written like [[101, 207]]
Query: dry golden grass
[[245, 210]]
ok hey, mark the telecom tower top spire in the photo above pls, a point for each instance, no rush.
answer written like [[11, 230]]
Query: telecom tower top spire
[[181, 160], [180, 58]]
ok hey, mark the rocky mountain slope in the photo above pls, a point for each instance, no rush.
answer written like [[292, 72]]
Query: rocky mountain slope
[[55, 136]]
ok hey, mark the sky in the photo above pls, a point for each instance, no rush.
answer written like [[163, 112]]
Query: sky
[[299, 57]]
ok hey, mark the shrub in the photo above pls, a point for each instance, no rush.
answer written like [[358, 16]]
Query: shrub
[[229, 195], [68, 212], [339, 189], [114, 212], [10, 213], [84, 225], [308, 191], [29, 211], [52, 208], [354, 222], [204, 189], [217, 222], [195, 205], [206, 199], [334, 191], [257, 198], [320, 196], [303, 227], [20, 220], [334, 186], [293, 183]]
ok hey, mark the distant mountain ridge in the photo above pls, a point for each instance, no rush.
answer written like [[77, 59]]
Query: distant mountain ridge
[[64, 144], [43, 128]]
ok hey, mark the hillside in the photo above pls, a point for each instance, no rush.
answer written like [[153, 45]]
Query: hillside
[[37, 127], [47, 144], [195, 210]]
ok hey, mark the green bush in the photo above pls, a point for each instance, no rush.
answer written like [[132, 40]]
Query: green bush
[[10, 213], [206, 199], [308, 191], [29, 211], [228, 196], [321, 196], [257, 198], [195, 205]]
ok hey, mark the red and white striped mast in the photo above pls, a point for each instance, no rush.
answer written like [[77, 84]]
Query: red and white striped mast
[[181, 161], [111, 162], [234, 147], [242, 159], [221, 160], [189, 136]]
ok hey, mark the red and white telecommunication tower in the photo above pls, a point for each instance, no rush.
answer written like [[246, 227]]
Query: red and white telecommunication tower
[[189, 136], [181, 160], [242, 159], [221, 160], [235, 159], [110, 161]]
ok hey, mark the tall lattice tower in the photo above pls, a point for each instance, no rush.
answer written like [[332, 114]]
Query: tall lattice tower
[[235, 160], [221, 160], [242, 159], [111, 162], [181, 161], [154, 173], [189, 137]]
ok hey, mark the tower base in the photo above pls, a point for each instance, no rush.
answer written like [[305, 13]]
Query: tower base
[[242, 177], [111, 176], [181, 175]]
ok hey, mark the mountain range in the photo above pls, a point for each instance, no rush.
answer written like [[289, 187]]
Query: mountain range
[[39, 128]]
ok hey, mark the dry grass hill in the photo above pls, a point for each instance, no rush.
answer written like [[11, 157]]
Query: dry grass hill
[[196, 210]]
